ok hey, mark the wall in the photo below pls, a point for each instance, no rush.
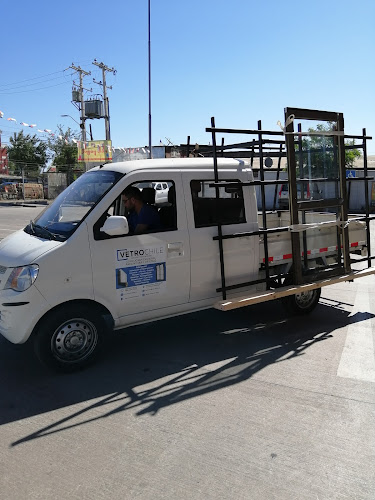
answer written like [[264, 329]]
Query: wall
[[56, 183], [355, 190]]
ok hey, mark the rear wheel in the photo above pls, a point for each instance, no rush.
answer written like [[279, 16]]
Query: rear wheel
[[69, 338], [302, 303]]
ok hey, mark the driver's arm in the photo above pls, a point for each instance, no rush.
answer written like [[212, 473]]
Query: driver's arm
[[141, 228]]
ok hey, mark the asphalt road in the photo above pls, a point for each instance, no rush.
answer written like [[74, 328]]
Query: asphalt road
[[248, 404], [16, 217]]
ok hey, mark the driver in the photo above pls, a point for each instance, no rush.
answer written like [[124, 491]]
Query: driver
[[142, 218]]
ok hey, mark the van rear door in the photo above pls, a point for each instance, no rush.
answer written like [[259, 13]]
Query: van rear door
[[232, 209]]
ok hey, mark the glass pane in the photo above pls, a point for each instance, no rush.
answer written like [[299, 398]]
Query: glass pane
[[209, 211], [317, 160], [66, 213], [321, 243]]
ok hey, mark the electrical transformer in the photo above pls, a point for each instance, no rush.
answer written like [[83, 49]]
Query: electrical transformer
[[76, 96], [94, 108]]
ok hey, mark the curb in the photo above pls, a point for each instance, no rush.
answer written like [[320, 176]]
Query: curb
[[23, 203]]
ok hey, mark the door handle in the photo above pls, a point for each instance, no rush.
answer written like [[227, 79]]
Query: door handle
[[175, 249]]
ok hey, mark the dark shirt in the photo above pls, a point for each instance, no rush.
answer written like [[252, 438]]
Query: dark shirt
[[147, 215]]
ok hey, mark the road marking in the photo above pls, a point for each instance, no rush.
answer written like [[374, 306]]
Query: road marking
[[358, 357]]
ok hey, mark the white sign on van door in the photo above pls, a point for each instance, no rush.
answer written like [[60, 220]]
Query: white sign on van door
[[142, 272]]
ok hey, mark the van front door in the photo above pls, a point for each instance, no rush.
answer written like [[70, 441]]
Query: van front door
[[143, 276]]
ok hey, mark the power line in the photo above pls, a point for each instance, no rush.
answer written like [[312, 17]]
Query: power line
[[37, 83], [29, 79], [33, 90]]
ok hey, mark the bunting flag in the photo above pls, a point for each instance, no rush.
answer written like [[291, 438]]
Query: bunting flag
[[129, 151], [33, 125], [83, 145]]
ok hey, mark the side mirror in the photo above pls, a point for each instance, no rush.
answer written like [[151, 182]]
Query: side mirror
[[116, 225]]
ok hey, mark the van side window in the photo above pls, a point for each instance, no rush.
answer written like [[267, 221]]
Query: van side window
[[209, 211], [161, 196]]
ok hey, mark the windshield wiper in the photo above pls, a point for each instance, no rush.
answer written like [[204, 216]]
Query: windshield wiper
[[42, 231], [30, 228]]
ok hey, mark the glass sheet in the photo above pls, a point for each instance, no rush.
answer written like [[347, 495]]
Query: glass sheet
[[321, 243], [316, 159]]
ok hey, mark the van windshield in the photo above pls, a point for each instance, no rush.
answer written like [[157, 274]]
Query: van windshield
[[64, 215]]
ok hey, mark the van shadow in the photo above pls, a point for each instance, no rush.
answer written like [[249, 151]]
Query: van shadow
[[150, 367]]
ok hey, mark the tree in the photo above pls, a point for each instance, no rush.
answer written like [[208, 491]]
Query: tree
[[319, 153], [351, 154], [27, 152], [64, 152]]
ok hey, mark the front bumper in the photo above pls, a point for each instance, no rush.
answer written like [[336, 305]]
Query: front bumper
[[20, 312]]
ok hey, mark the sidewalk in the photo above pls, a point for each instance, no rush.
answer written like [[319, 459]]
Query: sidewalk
[[24, 203]]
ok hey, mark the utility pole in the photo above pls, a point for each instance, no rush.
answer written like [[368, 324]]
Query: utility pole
[[23, 182], [82, 73], [105, 68]]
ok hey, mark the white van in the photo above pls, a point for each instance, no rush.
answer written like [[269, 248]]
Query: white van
[[161, 192], [77, 265], [77, 261]]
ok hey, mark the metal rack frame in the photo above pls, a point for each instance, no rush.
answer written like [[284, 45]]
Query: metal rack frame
[[262, 147]]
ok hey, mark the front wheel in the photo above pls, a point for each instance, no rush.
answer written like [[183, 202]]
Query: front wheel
[[69, 338], [302, 303]]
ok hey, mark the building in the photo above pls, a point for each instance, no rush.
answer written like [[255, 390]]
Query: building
[[142, 153], [3, 160]]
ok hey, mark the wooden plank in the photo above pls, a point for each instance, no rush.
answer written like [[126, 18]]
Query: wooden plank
[[256, 298]]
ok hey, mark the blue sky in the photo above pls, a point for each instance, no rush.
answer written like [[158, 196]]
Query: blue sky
[[239, 61]]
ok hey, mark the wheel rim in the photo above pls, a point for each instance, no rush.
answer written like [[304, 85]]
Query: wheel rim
[[74, 340], [305, 299]]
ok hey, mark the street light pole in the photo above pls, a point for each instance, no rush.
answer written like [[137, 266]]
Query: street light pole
[[66, 116], [149, 79]]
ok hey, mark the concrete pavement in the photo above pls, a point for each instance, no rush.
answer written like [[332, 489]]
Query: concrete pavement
[[248, 404], [245, 405]]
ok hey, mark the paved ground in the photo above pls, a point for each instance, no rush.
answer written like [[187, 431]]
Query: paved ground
[[248, 404], [14, 217]]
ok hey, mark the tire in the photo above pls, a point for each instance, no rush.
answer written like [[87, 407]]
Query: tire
[[302, 303], [70, 338]]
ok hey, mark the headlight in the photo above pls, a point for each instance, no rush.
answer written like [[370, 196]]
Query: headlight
[[21, 278]]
